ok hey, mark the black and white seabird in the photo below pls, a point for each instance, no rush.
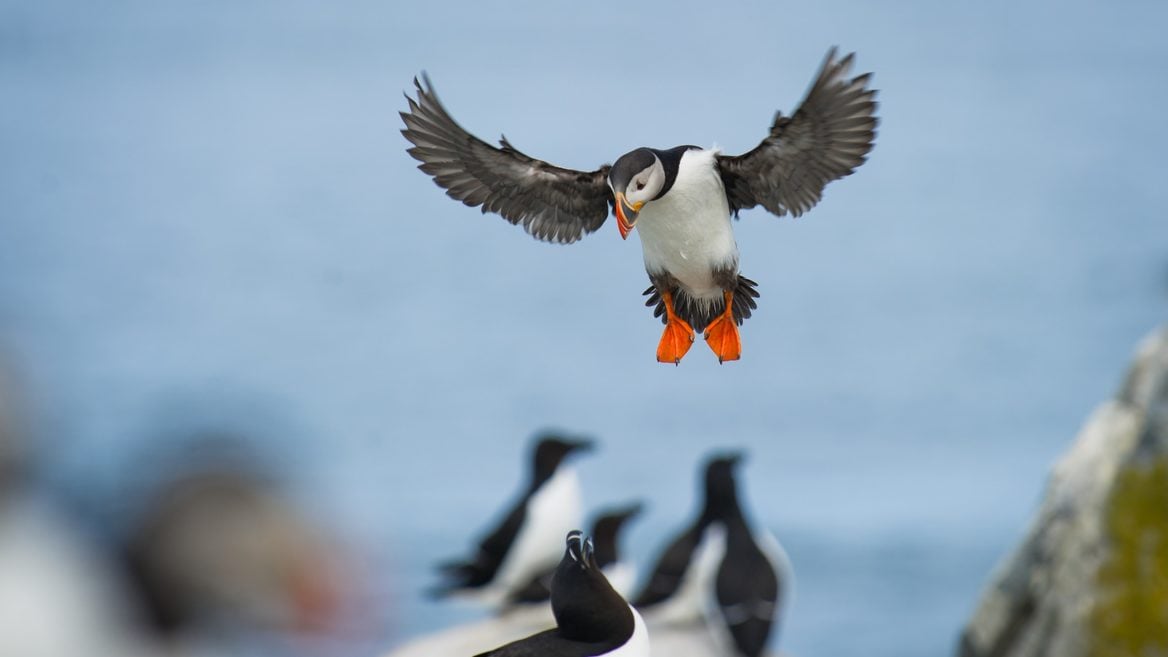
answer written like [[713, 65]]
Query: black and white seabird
[[719, 572], [681, 198], [606, 530], [591, 618], [528, 610], [527, 540]]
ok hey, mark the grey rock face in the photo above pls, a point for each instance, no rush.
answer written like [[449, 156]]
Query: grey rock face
[[12, 445], [1091, 576]]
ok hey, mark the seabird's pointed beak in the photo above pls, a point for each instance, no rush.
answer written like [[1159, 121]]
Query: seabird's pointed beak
[[626, 214], [581, 445], [631, 511], [590, 554], [575, 544]]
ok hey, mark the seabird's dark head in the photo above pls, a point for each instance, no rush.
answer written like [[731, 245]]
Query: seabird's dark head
[[721, 488], [636, 178], [550, 452], [585, 605], [641, 176], [606, 530]]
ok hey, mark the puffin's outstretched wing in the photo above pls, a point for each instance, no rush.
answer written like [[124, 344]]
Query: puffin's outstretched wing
[[552, 203], [826, 139]]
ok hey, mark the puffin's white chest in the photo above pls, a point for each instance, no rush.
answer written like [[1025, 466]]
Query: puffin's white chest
[[687, 232]]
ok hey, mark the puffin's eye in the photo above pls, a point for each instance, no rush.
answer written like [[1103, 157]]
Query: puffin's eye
[[640, 185]]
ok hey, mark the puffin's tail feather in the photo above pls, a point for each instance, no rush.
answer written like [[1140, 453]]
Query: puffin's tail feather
[[698, 312], [744, 296]]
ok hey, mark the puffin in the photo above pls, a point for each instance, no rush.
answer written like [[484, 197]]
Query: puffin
[[718, 573], [527, 540], [592, 619], [682, 199]]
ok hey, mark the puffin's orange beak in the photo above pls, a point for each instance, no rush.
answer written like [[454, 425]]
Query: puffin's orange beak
[[626, 215]]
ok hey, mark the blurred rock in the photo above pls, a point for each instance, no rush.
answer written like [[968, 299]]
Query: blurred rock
[[12, 442], [1091, 577]]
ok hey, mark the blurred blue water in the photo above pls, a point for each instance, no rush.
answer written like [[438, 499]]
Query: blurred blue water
[[207, 218]]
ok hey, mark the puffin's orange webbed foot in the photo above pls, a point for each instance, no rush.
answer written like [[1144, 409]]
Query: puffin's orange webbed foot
[[675, 341], [722, 334], [678, 336]]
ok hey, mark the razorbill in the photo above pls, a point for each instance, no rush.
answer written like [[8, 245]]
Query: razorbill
[[527, 609], [682, 198], [526, 541], [591, 618], [719, 572]]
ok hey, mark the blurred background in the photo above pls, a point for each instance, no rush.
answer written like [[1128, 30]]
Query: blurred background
[[209, 226]]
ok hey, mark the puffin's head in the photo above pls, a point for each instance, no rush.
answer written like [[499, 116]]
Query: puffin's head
[[636, 178]]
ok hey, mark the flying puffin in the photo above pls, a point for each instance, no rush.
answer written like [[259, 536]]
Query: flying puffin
[[592, 619], [528, 538], [682, 198], [718, 573]]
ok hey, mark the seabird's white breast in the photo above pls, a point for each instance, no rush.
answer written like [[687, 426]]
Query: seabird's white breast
[[691, 602], [776, 554], [622, 576], [552, 512], [638, 643], [475, 637], [687, 232]]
